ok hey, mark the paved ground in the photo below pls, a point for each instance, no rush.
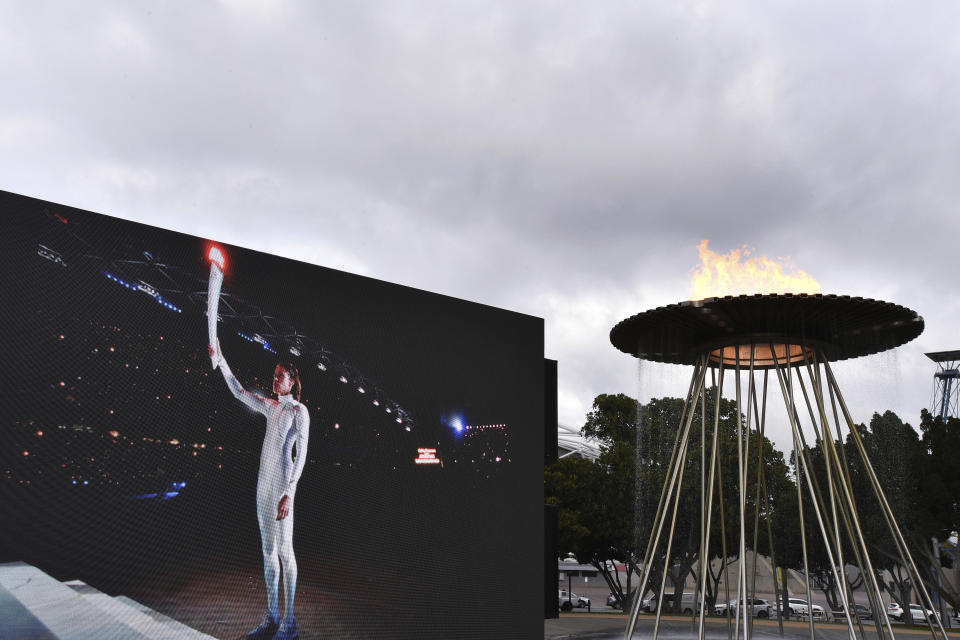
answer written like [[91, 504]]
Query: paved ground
[[603, 626]]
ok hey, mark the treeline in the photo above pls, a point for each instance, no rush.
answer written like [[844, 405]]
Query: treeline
[[607, 508]]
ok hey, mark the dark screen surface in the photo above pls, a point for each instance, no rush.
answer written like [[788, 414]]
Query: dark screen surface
[[128, 464]]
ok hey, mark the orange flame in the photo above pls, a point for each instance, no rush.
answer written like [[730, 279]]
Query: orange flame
[[724, 275]]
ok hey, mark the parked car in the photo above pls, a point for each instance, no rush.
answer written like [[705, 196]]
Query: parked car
[[921, 614], [799, 608], [570, 600], [863, 612], [689, 603], [758, 607], [615, 603], [918, 613]]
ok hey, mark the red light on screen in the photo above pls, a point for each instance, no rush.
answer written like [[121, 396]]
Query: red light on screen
[[427, 456]]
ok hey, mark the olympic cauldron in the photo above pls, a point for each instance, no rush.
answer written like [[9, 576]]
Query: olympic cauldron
[[791, 339]]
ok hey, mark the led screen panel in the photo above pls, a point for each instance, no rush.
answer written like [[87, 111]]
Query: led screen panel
[[412, 461]]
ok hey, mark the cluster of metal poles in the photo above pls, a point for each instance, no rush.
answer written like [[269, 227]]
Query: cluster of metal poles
[[834, 505]]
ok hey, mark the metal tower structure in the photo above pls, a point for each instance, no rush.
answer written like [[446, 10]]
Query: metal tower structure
[[946, 384], [758, 343]]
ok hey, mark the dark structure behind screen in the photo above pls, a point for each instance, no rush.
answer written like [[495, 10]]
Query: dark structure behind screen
[[550, 571], [549, 411]]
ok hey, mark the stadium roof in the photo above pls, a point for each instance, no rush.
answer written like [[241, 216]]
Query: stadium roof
[[570, 443]]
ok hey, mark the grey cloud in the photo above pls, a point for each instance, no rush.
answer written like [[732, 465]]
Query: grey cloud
[[510, 153]]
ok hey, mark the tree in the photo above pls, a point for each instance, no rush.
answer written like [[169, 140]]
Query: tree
[[898, 458], [595, 500], [610, 506], [940, 488], [567, 484]]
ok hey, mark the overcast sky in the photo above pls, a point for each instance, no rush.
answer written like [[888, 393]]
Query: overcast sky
[[562, 159]]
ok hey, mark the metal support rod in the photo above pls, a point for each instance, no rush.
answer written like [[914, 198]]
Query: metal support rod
[[885, 509], [829, 446], [815, 496], [740, 580], [825, 436], [638, 598], [884, 504], [705, 546], [747, 592], [698, 592], [855, 532], [838, 566], [741, 484], [673, 524], [698, 376], [847, 504], [788, 398], [756, 513], [723, 540], [676, 505], [773, 558]]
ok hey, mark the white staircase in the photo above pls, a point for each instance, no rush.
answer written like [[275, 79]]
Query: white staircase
[[34, 605]]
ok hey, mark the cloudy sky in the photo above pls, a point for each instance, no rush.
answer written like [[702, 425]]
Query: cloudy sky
[[562, 159]]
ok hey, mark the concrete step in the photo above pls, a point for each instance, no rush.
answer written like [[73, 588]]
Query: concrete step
[[139, 616], [46, 609], [18, 622], [61, 610]]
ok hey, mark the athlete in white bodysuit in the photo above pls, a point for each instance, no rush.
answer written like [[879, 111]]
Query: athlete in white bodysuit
[[288, 426]]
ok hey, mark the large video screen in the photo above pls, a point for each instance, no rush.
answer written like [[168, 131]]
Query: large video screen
[[373, 449]]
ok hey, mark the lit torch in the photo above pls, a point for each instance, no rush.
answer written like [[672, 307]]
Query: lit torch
[[217, 262]]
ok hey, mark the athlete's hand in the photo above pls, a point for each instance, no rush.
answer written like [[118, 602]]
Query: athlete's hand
[[283, 509]]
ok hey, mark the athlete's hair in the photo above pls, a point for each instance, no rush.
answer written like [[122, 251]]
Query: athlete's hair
[[294, 376]]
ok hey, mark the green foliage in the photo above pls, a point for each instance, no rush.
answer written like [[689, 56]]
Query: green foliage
[[919, 483], [595, 500], [607, 509], [568, 484], [612, 419], [940, 475]]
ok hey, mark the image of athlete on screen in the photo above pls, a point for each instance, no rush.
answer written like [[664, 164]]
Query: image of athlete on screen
[[282, 458]]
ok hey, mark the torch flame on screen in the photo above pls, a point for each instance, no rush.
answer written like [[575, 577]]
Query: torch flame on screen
[[215, 255], [725, 275]]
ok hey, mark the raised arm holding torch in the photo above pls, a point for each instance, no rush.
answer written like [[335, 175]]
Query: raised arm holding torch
[[217, 262]]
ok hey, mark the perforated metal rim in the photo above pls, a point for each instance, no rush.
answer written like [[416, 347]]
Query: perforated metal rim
[[841, 327]]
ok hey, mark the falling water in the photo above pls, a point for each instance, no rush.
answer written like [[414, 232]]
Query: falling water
[[642, 444], [890, 370]]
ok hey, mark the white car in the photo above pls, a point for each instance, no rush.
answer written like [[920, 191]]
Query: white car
[[688, 606], [758, 607], [801, 609], [918, 613], [569, 600]]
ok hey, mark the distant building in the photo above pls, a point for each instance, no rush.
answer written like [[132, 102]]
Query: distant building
[[571, 567], [570, 444]]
